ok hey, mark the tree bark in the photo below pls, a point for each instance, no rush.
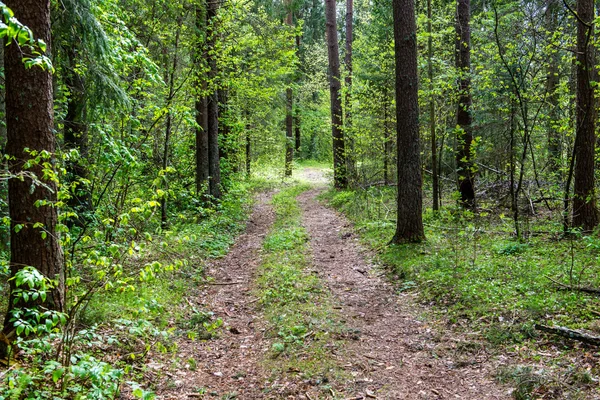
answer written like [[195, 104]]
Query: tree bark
[[214, 164], [350, 156], [340, 178], [409, 227], [202, 173], [553, 81], [434, 170], [30, 123], [464, 119], [585, 214]]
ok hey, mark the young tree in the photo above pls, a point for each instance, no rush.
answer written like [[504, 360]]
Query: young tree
[[202, 173], [409, 227], [339, 152], [34, 240], [464, 119], [434, 167], [289, 104], [214, 163], [585, 214]]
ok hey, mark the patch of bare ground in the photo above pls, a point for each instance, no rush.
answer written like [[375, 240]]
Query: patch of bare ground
[[390, 353], [227, 366]]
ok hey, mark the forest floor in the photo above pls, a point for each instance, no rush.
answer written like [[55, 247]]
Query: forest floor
[[376, 342]]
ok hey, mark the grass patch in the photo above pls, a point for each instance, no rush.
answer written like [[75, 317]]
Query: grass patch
[[294, 301]]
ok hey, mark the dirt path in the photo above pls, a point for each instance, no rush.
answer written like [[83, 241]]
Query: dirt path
[[228, 366], [394, 355]]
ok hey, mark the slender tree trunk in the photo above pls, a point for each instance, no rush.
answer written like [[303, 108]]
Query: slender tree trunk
[[464, 119], [289, 105], [340, 178], [297, 129], [553, 81], [76, 138], [29, 117], [585, 214], [248, 151], [387, 142], [202, 173], [349, 136], [409, 226], [214, 163], [434, 171]]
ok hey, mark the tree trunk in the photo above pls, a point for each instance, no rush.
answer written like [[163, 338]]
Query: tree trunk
[[29, 118], [340, 179], [464, 119], [387, 142], [585, 215], [76, 138], [553, 81], [409, 226], [214, 164], [434, 171], [202, 173], [349, 137], [289, 104], [297, 111], [248, 151]]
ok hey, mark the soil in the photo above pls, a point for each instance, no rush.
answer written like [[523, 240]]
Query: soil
[[391, 352]]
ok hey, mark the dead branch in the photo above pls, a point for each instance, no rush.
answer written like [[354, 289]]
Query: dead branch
[[570, 334], [585, 289]]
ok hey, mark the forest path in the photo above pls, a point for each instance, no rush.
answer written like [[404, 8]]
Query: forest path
[[394, 355], [227, 366]]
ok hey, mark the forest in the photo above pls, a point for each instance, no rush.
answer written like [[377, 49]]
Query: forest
[[297, 199]]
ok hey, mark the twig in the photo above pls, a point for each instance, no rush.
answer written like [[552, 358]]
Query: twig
[[224, 283], [585, 289]]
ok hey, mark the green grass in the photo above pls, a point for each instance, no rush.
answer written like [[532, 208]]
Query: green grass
[[297, 307]]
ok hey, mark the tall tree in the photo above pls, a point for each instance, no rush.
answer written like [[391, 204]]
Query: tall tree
[[214, 163], [350, 158], [409, 227], [202, 172], [434, 168], [553, 81], [289, 104], [340, 178], [34, 240], [585, 214], [464, 119]]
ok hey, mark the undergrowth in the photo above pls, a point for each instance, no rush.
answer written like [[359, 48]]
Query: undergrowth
[[479, 278], [294, 302]]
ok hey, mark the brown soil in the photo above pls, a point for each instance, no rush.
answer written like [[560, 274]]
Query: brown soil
[[394, 355]]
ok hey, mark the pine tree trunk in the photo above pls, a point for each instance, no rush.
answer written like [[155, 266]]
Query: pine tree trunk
[[214, 164], [201, 104], [464, 119], [30, 124], [409, 226], [340, 179], [434, 170], [349, 137], [585, 214]]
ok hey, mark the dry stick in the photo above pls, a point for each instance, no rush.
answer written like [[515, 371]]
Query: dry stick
[[570, 334], [224, 283]]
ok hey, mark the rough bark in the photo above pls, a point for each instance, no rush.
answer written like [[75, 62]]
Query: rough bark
[[29, 118], [434, 170], [201, 104], [585, 214], [350, 156], [340, 179], [214, 164], [409, 226], [464, 119]]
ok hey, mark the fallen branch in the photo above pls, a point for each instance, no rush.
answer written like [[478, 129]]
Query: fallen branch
[[224, 283], [585, 289], [570, 334]]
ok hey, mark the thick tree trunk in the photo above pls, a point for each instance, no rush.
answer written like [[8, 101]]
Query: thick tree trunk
[[434, 170], [29, 117], [585, 214], [349, 137], [553, 81], [289, 104], [201, 104], [464, 119], [340, 178], [214, 164], [409, 226]]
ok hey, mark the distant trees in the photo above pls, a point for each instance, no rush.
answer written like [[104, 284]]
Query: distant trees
[[409, 225]]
